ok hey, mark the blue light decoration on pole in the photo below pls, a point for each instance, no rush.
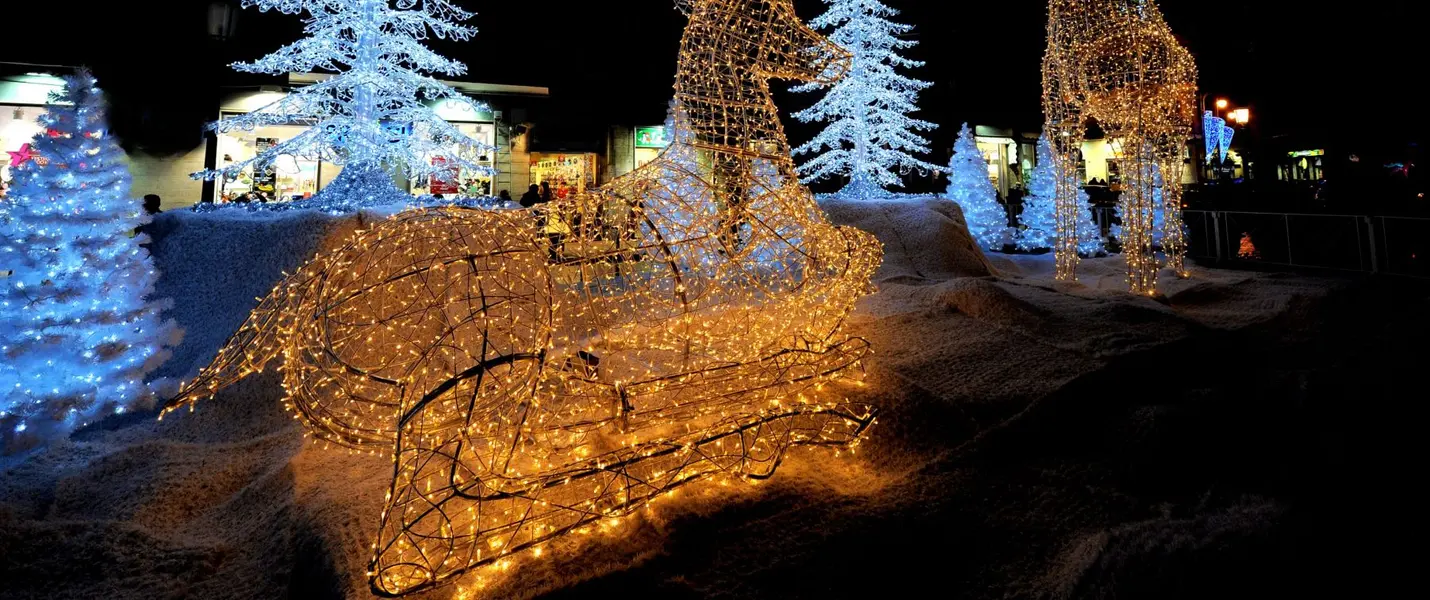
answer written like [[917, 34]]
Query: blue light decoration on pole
[[1213, 127], [1224, 143]]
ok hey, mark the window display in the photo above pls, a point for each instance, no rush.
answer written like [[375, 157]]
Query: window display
[[566, 173], [460, 182], [294, 178], [18, 126], [286, 179]]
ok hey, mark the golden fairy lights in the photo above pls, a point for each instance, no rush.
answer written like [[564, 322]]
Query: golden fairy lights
[[539, 373], [1116, 62]]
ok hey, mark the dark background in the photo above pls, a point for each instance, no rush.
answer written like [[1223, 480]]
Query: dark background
[[1350, 70]]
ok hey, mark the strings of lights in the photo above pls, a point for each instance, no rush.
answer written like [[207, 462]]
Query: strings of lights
[[539, 373], [1117, 62], [372, 117]]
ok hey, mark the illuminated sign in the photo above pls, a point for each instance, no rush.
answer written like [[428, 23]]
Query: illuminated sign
[[461, 110], [652, 137], [1307, 153]]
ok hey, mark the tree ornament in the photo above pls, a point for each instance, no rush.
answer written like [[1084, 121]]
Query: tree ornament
[[535, 374], [25, 154]]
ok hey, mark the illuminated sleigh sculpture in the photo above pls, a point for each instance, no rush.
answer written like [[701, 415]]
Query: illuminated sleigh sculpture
[[686, 324]]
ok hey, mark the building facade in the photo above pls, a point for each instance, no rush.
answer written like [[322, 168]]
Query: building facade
[[505, 125]]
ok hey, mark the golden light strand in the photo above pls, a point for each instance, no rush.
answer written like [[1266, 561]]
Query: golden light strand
[[1116, 62], [539, 373]]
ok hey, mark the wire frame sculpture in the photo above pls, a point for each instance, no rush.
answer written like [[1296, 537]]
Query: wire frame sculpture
[[1117, 62], [535, 372]]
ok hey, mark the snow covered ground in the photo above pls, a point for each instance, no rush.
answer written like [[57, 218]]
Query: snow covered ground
[[1037, 439]]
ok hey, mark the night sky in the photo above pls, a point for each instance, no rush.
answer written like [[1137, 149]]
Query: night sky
[[1348, 70]]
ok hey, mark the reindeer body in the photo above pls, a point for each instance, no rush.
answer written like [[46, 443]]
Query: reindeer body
[[1116, 62], [528, 387]]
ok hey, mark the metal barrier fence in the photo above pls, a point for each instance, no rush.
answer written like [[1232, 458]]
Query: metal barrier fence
[[1383, 245]]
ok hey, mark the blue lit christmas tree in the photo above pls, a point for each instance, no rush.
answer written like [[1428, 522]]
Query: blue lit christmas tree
[[372, 117], [870, 138], [1040, 219], [78, 333], [970, 187]]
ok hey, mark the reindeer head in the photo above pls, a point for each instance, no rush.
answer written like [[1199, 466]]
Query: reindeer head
[[766, 39]]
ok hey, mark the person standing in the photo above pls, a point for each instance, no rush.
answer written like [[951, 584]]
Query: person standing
[[532, 197]]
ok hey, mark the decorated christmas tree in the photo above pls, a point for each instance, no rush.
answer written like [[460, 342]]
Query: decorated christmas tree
[[78, 331], [970, 187], [373, 116], [870, 139], [1040, 218]]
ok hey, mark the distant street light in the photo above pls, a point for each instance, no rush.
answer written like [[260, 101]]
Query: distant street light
[[1222, 103]]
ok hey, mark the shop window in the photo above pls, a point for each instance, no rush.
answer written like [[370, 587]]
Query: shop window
[[999, 154], [290, 178], [649, 143], [286, 178], [463, 182], [18, 126], [566, 173]]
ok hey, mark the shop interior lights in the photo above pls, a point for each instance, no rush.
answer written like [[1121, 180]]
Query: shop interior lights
[[538, 373], [1116, 62]]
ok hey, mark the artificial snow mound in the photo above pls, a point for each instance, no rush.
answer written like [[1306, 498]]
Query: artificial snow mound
[[1014, 430], [925, 239], [222, 263]]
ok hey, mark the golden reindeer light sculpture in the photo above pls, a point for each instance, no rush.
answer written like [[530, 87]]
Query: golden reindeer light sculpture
[[1116, 62], [534, 373]]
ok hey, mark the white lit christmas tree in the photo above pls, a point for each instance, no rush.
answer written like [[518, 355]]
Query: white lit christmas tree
[[78, 332], [970, 187], [870, 138], [372, 117], [1040, 219], [681, 151]]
